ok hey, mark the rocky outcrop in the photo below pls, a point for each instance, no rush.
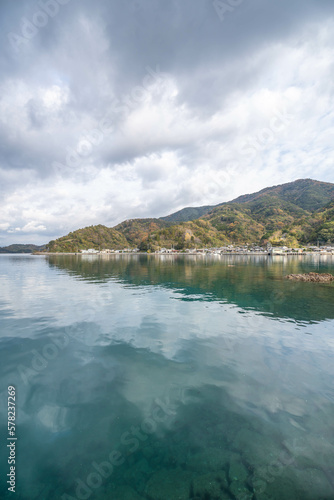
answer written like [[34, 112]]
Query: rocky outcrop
[[316, 277]]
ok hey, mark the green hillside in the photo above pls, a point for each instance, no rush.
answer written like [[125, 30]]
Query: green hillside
[[293, 214], [323, 225], [137, 230], [278, 215], [197, 233], [305, 193], [17, 248], [97, 237]]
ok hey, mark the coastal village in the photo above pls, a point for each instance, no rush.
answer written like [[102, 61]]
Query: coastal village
[[227, 250]]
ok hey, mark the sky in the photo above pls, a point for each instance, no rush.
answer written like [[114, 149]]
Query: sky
[[113, 110]]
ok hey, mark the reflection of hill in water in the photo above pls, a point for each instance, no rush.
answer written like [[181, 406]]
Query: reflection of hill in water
[[250, 282]]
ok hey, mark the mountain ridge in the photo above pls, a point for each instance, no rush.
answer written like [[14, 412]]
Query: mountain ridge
[[188, 213], [304, 186], [293, 214]]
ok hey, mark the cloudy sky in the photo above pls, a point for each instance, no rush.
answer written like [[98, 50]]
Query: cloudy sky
[[111, 109]]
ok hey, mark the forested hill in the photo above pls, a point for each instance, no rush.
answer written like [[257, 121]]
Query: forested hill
[[17, 248], [292, 214], [304, 193]]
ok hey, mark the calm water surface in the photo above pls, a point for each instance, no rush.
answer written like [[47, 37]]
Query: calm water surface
[[167, 377]]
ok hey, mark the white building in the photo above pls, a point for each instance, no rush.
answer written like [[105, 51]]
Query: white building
[[90, 251]]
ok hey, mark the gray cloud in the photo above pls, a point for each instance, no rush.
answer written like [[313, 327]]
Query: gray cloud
[[84, 122]]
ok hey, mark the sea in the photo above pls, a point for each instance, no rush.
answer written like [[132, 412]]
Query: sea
[[166, 377]]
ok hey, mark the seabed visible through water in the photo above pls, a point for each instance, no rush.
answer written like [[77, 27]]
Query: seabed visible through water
[[168, 378]]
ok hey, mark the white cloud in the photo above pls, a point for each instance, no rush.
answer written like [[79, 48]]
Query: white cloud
[[33, 227]]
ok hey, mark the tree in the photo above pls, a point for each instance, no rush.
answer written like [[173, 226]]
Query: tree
[[179, 245], [143, 246]]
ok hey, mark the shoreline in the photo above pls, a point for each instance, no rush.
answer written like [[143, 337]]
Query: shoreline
[[202, 254]]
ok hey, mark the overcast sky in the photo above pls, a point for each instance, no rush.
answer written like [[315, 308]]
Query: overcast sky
[[111, 109]]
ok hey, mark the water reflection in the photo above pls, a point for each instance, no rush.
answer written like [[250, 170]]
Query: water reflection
[[196, 379], [251, 282]]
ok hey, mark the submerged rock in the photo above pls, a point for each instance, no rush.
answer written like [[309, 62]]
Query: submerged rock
[[268, 487], [292, 484], [208, 460], [314, 484], [311, 451], [238, 476], [240, 492], [316, 277], [256, 449], [237, 471], [137, 475], [125, 493], [169, 484], [211, 485]]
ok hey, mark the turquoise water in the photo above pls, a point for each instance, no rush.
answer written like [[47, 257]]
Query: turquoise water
[[168, 377]]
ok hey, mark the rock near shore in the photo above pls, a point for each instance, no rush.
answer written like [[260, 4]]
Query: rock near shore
[[315, 277]]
